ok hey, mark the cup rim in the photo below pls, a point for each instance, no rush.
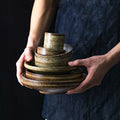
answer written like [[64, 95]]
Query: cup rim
[[55, 34]]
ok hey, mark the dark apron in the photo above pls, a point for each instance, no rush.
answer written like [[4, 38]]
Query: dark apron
[[91, 27]]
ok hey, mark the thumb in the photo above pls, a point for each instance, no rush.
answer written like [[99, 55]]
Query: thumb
[[79, 62]]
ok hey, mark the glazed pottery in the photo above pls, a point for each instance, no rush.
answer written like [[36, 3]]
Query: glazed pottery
[[37, 83], [48, 70], [54, 60], [52, 88], [54, 41], [70, 77], [61, 90], [48, 52]]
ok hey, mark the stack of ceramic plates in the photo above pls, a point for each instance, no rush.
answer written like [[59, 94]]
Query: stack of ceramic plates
[[49, 72]]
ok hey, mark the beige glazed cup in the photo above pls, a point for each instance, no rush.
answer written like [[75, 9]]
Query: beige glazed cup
[[54, 41]]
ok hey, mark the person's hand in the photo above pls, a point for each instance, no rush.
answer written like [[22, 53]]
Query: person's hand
[[96, 67], [26, 56]]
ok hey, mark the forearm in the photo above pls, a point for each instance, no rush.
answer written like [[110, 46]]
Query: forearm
[[113, 56], [42, 15]]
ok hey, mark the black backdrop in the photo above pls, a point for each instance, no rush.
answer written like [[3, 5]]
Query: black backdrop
[[17, 102]]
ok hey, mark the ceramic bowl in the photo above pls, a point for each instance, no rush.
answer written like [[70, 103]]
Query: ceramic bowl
[[54, 60], [61, 90], [48, 70], [64, 78], [48, 52], [54, 41]]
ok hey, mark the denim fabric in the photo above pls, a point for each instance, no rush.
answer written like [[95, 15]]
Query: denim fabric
[[91, 27]]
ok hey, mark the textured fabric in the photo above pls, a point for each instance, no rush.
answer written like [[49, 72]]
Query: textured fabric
[[92, 27]]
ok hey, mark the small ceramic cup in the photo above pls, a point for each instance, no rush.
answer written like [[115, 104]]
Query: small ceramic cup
[[54, 41]]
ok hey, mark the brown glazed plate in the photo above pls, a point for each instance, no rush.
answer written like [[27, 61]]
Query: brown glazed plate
[[38, 83], [47, 88], [61, 69], [69, 77]]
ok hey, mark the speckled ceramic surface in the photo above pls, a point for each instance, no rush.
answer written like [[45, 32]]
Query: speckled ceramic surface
[[56, 70], [36, 84], [47, 88], [55, 90], [49, 72], [54, 60], [54, 41], [70, 77], [45, 51]]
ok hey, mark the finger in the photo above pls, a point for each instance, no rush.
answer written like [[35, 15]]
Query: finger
[[77, 62], [19, 72], [79, 89], [85, 85], [19, 66]]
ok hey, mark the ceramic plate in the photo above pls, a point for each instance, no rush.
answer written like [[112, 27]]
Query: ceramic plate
[[38, 83], [71, 77], [62, 69], [47, 88]]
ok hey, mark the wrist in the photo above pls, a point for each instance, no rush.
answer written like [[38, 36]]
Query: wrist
[[32, 42], [29, 48], [112, 58]]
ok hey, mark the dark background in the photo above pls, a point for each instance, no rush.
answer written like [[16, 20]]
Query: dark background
[[17, 102]]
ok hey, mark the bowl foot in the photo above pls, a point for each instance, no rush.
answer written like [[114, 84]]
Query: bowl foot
[[45, 92]]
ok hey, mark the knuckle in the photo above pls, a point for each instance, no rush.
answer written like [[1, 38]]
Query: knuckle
[[28, 50], [77, 62]]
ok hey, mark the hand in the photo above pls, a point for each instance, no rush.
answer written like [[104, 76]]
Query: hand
[[26, 56], [96, 67]]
